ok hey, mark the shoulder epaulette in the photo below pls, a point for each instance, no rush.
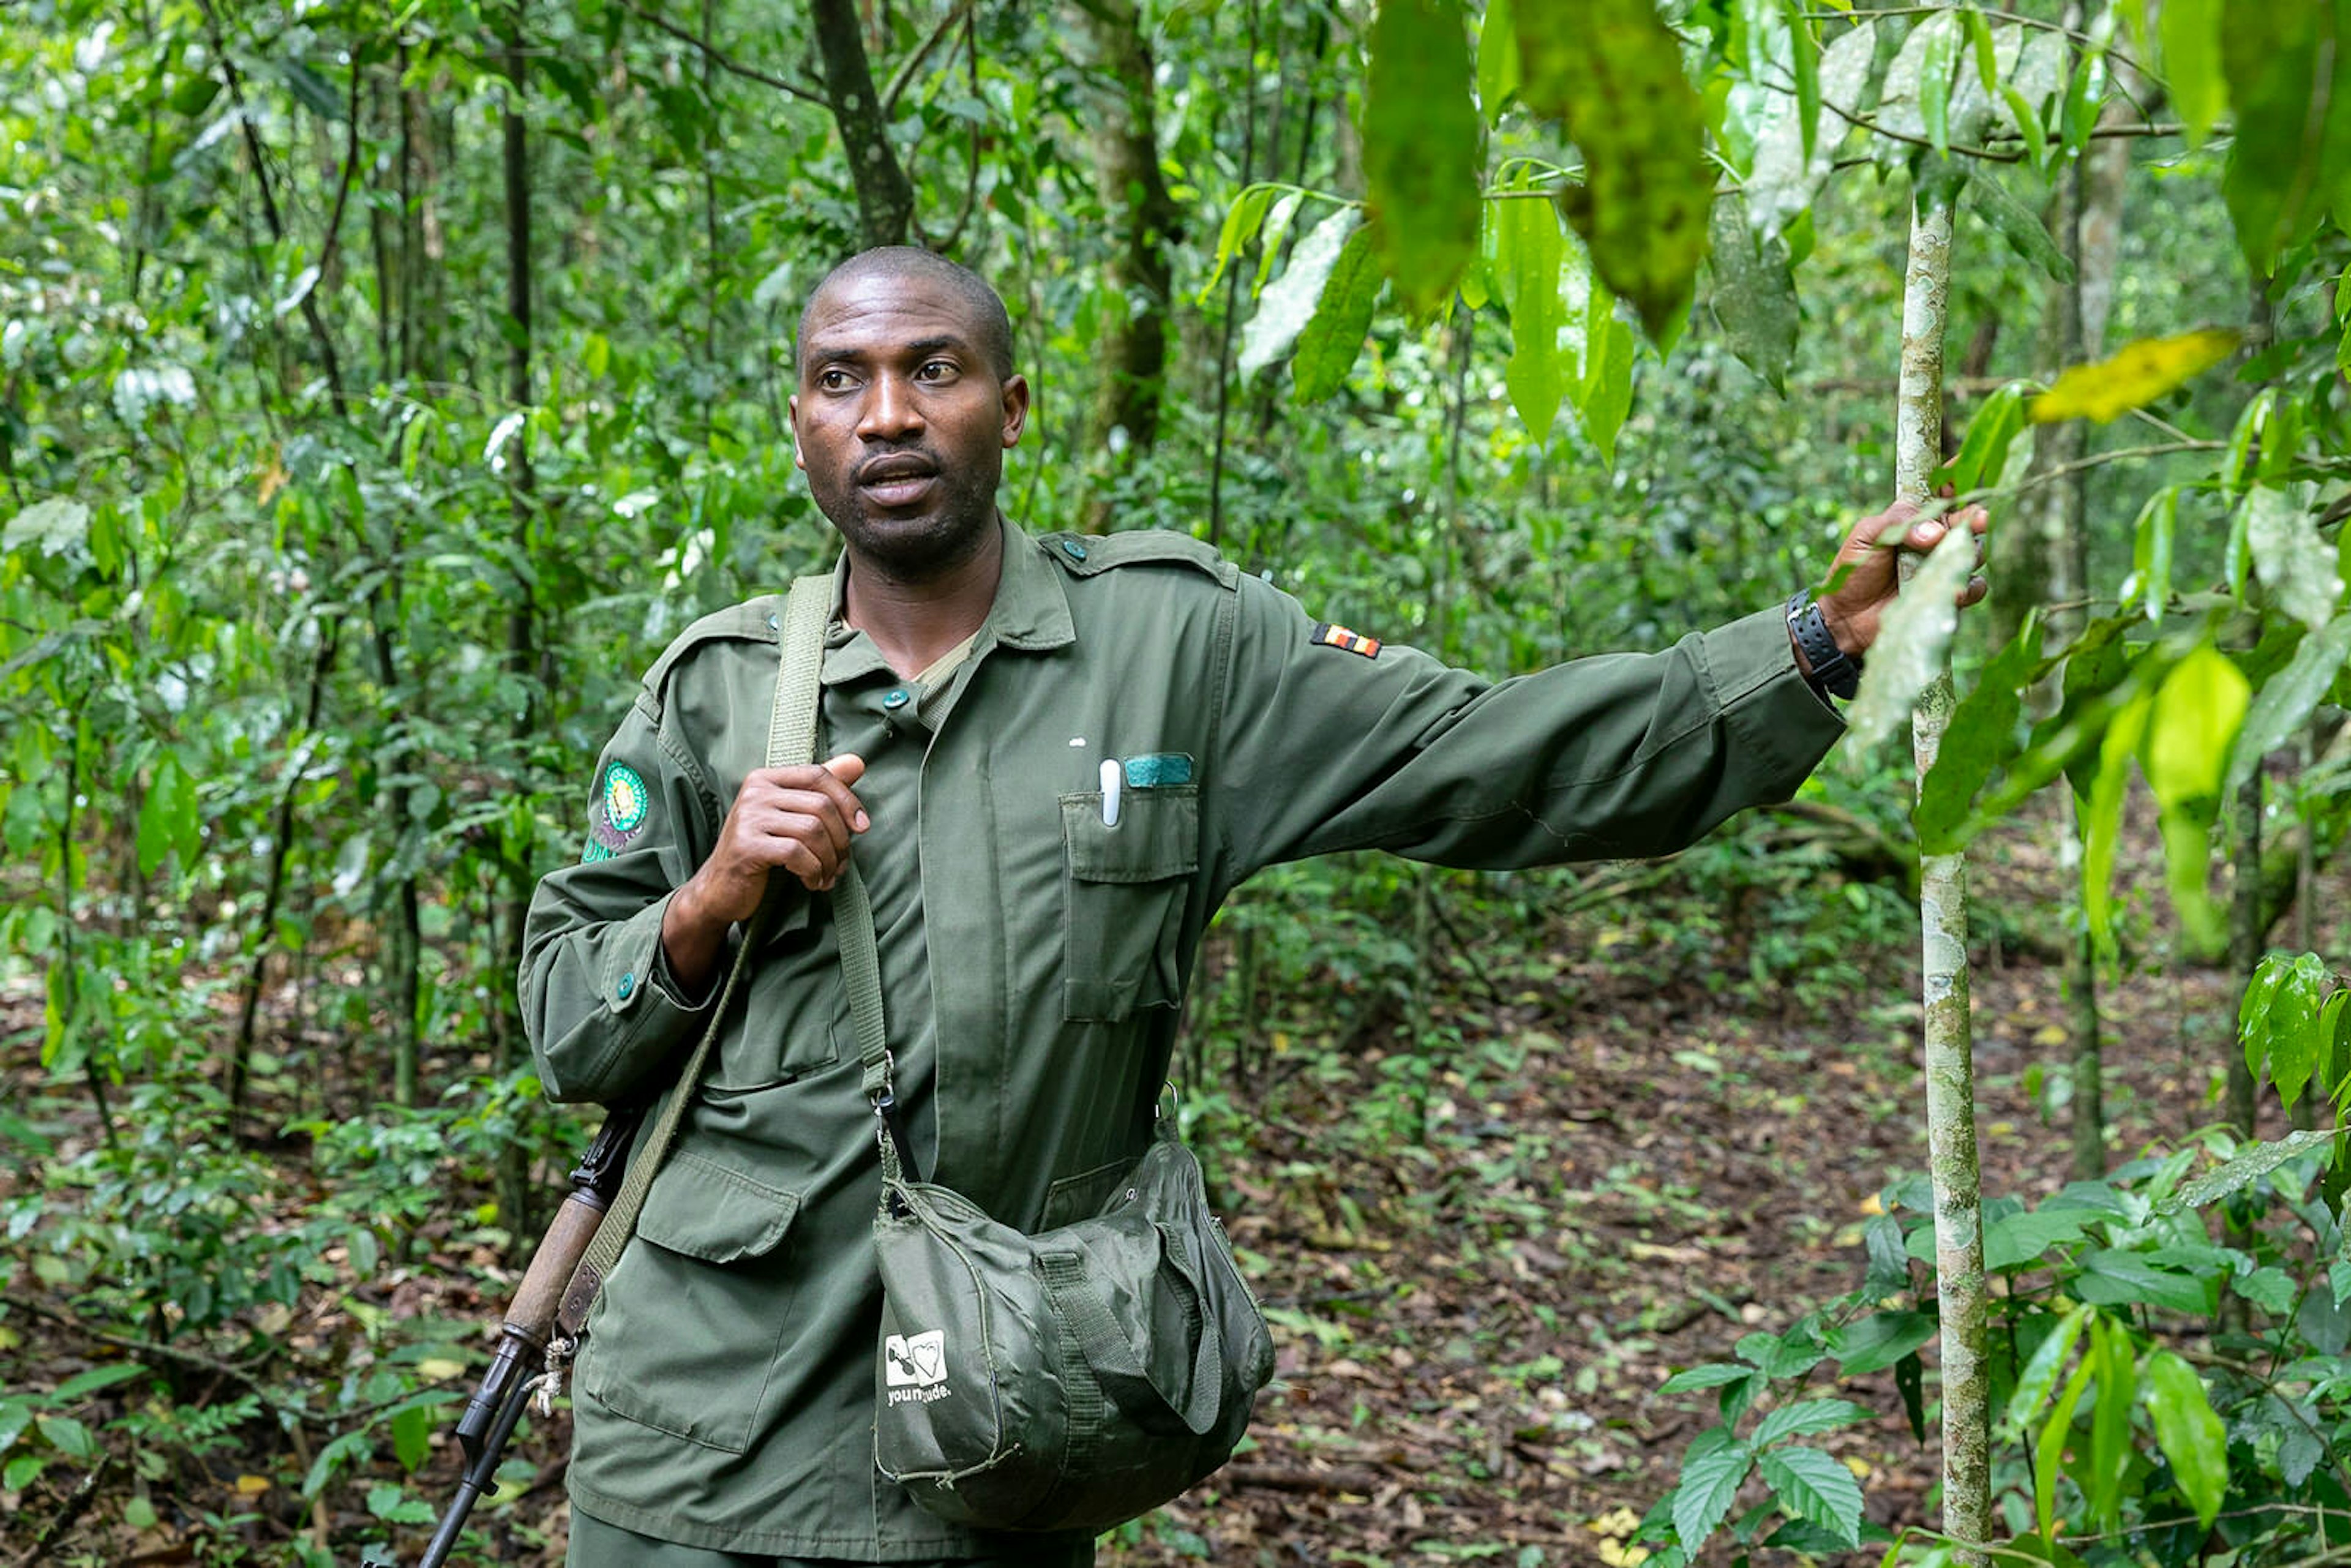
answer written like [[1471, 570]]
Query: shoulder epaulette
[[754, 620], [1088, 555]]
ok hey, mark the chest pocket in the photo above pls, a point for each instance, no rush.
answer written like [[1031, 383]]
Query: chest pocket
[[1123, 907]]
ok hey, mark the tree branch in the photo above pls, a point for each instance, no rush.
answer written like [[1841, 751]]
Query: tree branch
[[731, 66], [904, 74]]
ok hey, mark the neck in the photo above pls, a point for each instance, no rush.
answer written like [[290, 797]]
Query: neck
[[914, 621]]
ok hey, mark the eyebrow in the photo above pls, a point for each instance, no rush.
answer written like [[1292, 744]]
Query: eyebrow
[[919, 348]]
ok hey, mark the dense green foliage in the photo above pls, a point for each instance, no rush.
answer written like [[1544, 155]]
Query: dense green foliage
[[381, 386]]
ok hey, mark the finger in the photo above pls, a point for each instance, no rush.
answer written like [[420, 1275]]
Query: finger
[[1975, 591], [1926, 536], [1978, 519], [848, 768], [786, 784], [811, 819]]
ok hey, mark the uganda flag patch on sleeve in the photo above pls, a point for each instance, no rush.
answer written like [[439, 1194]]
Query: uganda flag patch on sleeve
[[1326, 635]]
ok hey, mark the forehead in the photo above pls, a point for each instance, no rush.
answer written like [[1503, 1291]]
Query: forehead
[[878, 312]]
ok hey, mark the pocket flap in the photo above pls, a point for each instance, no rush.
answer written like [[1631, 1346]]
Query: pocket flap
[[706, 1210], [1157, 836]]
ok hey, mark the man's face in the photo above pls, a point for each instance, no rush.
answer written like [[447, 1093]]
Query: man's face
[[901, 424]]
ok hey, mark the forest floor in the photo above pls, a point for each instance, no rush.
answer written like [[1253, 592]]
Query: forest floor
[[1635, 1152]]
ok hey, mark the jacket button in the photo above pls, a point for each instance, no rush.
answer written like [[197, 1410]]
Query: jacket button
[[1073, 549], [774, 621], [897, 699], [628, 983]]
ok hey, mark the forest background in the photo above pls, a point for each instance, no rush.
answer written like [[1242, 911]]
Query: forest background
[[381, 386]]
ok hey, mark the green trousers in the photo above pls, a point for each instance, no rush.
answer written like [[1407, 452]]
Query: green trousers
[[596, 1545]]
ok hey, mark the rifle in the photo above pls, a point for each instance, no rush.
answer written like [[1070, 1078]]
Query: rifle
[[528, 1339]]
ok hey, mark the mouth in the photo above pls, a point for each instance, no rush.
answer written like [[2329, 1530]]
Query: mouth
[[897, 479]]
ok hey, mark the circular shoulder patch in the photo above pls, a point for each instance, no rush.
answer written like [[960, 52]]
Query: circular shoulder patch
[[626, 799]]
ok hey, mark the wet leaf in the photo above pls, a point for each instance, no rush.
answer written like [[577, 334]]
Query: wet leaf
[[55, 526], [1328, 346], [1528, 252], [1912, 643], [2290, 558], [1611, 72], [1754, 294], [1421, 149], [1796, 154], [2133, 377], [1289, 302], [2019, 226], [2287, 699], [1497, 58], [2247, 1166]]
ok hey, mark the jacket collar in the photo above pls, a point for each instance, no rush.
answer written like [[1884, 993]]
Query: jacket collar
[[1031, 611]]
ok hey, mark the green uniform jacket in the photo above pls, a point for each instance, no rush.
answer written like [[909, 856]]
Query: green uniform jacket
[[1033, 955]]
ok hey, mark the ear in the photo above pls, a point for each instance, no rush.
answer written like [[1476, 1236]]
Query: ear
[[792, 412], [1016, 409]]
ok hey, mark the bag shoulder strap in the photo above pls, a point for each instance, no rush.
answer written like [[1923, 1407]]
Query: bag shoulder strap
[[791, 742]]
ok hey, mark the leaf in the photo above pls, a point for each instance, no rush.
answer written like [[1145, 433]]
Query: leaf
[[1880, 1340], [1497, 58], [2034, 1384], [1527, 253], [1242, 220], [2050, 1452], [1983, 451], [2125, 1279], [2133, 377], [1804, 52], [2190, 32], [96, 1378], [2016, 1240], [1795, 156], [167, 817], [1987, 54], [1812, 1416], [1710, 1480], [1332, 339], [2151, 538], [1981, 737], [1611, 72], [2197, 712], [57, 526], [1605, 395], [2021, 228], [2289, 98], [2110, 1422], [1817, 1487], [2288, 698], [1421, 149], [1754, 294], [2244, 1168], [351, 1447], [1939, 53], [2271, 1289], [412, 1435], [1913, 640], [2189, 1433], [312, 88], [2289, 557], [1286, 306], [1713, 1375]]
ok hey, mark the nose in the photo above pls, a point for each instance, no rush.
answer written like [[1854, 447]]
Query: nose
[[890, 412]]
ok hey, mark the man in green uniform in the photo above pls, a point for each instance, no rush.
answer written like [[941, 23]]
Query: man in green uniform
[[1054, 758]]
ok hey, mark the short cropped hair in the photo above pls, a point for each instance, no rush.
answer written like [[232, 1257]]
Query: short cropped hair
[[990, 326]]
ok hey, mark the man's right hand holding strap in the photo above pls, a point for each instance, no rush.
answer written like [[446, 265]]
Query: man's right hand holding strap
[[801, 820]]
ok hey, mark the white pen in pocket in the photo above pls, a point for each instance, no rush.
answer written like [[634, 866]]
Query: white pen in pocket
[[1112, 778]]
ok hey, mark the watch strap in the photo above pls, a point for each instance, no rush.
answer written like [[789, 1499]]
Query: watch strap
[[1834, 672]]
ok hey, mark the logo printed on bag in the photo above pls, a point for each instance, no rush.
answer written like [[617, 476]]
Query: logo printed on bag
[[916, 1367]]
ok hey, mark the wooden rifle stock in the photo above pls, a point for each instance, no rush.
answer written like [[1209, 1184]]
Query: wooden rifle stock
[[531, 1325]]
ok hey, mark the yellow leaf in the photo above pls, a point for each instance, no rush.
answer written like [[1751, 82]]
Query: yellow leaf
[[1617, 1556], [1873, 1204], [274, 480], [2050, 1034], [439, 1368], [1860, 1468], [2136, 376], [252, 1486], [1621, 1521]]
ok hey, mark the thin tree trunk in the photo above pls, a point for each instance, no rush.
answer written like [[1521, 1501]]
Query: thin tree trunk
[[522, 620], [1232, 292], [1127, 178], [885, 201], [1943, 909]]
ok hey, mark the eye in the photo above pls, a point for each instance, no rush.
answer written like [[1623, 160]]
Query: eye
[[936, 370], [832, 379]]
